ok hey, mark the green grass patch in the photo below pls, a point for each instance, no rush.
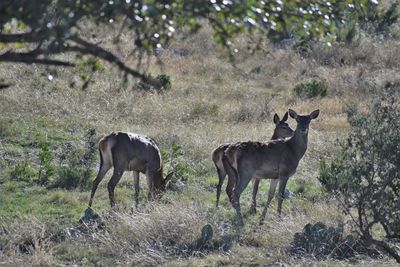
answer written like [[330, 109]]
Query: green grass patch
[[20, 199]]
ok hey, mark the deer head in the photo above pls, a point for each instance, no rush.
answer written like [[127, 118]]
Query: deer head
[[303, 121], [282, 129], [160, 185]]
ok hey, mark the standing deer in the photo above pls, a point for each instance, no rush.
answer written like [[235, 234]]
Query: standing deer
[[276, 160], [130, 152], [282, 130]]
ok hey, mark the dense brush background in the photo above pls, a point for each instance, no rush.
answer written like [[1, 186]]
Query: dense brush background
[[44, 126]]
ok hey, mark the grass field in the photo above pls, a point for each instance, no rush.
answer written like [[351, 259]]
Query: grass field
[[211, 102]]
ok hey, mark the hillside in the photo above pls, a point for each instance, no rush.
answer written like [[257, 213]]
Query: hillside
[[211, 101]]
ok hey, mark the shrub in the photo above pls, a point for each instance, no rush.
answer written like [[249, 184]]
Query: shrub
[[311, 89], [176, 161], [366, 175], [164, 80], [321, 242]]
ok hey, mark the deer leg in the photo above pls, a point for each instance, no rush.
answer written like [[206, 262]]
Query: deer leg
[[112, 183], [221, 177], [229, 187], [271, 194], [100, 175], [232, 178], [137, 188], [243, 180], [253, 207], [281, 193], [150, 183]]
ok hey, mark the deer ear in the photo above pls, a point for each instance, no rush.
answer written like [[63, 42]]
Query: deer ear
[[292, 113], [276, 118], [314, 114], [168, 177], [285, 117]]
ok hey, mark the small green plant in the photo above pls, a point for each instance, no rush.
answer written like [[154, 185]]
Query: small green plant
[[164, 80], [159, 83], [180, 168], [312, 88], [176, 161], [46, 169], [321, 242]]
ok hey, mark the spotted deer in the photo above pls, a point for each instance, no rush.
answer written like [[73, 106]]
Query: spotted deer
[[275, 159], [282, 130], [130, 152]]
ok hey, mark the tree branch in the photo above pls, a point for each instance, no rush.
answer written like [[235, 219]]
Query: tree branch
[[29, 58], [30, 37], [385, 247], [95, 50]]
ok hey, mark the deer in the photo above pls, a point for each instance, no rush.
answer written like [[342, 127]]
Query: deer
[[275, 159], [130, 152], [282, 130]]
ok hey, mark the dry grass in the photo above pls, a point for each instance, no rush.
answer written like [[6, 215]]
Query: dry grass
[[211, 102], [164, 235]]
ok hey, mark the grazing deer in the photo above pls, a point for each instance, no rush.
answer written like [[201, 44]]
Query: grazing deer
[[130, 152], [276, 160], [282, 130]]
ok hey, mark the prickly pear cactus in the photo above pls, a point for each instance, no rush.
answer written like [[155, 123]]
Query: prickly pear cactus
[[321, 242]]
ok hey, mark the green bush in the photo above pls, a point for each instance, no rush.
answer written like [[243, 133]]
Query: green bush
[[366, 175], [312, 88], [176, 161]]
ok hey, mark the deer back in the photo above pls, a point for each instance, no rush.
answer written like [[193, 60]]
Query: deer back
[[134, 152]]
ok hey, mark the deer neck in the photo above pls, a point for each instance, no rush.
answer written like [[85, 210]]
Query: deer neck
[[298, 143], [158, 176]]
